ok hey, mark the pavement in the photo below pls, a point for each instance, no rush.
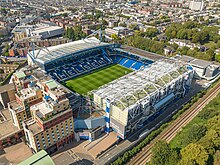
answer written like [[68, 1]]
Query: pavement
[[15, 153]]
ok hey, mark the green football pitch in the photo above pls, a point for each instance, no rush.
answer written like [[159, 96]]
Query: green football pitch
[[91, 81]]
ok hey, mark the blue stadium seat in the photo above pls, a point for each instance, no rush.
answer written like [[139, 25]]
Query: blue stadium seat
[[137, 65], [121, 62], [129, 63]]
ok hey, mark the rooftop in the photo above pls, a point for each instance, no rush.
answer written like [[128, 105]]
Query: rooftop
[[51, 84], [39, 158], [20, 74], [33, 126], [7, 127], [6, 87], [131, 88], [55, 52], [43, 108], [29, 92], [201, 63], [45, 29], [16, 106]]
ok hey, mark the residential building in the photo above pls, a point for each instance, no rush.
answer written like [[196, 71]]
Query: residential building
[[196, 5], [51, 126]]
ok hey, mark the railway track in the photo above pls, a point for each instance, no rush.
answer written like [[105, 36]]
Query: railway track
[[176, 126]]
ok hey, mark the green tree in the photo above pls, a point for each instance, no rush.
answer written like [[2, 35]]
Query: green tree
[[183, 50], [162, 154], [196, 38], [217, 57], [171, 32], [115, 37], [133, 27], [218, 44], [211, 53], [194, 154], [191, 135], [182, 34], [151, 32]]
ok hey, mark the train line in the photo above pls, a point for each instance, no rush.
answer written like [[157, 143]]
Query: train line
[[169, 133]]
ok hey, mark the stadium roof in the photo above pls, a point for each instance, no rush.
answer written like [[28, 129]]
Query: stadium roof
[[39, 158], [59, 51], [134, 87]]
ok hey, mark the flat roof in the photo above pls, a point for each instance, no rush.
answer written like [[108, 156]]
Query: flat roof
[[33, 126], [51, 84], [43, 108], [7, 127], [45, 29], [201, 63], [39, 158], [7, 87], [20, 74], [59, 51], [186, 58]]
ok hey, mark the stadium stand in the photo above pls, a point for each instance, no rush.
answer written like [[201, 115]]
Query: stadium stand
[[70, 60], [89, 61]]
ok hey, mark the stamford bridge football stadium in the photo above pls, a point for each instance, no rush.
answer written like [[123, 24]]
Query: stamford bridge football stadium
[[127, 86]]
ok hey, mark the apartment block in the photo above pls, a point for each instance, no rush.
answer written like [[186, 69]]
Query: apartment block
[[51, 126]]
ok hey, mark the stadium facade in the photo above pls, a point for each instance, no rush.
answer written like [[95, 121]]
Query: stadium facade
[[128, 101], [132, 99]]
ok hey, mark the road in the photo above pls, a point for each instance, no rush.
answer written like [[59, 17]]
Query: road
[[176, 126]]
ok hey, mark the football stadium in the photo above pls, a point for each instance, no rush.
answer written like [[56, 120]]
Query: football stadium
[[127, 86]]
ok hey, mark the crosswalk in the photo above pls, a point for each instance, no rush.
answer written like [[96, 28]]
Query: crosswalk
[[75, 157]]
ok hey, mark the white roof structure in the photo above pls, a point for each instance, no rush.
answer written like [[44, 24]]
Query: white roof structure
[[134, 87], [59, 51]]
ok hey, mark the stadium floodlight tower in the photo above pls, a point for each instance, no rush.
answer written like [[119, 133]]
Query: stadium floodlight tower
[[33, 56]]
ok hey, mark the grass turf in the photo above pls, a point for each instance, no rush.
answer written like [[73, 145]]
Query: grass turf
[[91, 81]]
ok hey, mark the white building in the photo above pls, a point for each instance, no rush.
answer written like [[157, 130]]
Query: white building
[[196, 5]]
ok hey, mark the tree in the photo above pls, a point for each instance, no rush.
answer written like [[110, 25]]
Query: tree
[[171, 32], [218, 44], [195, 37], [114, 37], [123, 24], [183, 50], [133, 27], [217, 57], [182, 34], [194, 154], [191, 135], [210, 53], [214, 123], [151, 32], [162, 154]]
